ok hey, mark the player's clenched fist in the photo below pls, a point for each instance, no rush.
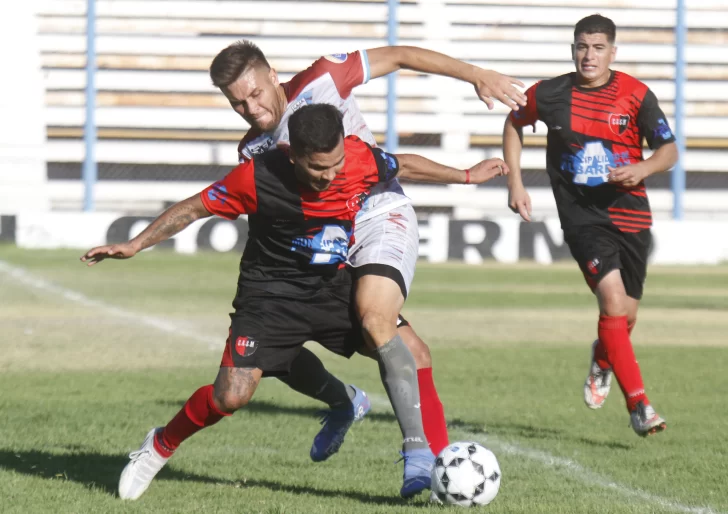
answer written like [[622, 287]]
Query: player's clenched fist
[[117, 251], [486, 170]]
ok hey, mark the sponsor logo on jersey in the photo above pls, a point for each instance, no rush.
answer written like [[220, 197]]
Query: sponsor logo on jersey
[[663, 130], [589, 165], [618, 123], [245, 346], [330, 246], [305, 98], [257, 146], [217, 192], [336, 58]]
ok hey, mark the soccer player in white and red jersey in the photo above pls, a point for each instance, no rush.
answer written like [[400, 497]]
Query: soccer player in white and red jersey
[[385, 250]]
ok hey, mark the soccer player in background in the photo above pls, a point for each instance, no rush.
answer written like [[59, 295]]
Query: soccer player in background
[[386, 237], [294, 285], [596, 120]]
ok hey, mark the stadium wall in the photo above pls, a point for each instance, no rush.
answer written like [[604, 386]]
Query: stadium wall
[[442, 237], [23, 176]]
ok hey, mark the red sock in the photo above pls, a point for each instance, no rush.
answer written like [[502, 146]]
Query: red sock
[[433, 415], [600, 353], [614, 335], [199, 412]]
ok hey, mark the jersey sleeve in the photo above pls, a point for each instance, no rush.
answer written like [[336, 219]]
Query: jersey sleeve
[[347, 70], [527, 115], [234, 195], [652, 123], [387, 164]]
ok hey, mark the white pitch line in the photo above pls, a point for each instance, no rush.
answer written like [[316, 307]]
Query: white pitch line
[[28, 279], [562, 464], [576, 470]]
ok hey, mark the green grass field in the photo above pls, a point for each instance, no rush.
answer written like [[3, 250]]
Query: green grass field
[[91, 359]]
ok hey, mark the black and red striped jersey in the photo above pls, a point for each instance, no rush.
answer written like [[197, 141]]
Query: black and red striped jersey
[[590, 129], [297, 237]]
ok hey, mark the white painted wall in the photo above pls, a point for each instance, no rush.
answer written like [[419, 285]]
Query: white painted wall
[[22, 113]]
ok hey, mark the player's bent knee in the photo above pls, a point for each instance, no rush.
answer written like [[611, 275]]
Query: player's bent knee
[[614, 303], [378, 327], [230, 401], [234, 387], [417, 347]]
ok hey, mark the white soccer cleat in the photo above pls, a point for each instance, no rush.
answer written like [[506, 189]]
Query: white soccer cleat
[[645, 421], [139, 473], [598, 382]]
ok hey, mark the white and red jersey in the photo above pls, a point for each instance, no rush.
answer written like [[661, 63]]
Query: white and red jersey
[[329, 80]]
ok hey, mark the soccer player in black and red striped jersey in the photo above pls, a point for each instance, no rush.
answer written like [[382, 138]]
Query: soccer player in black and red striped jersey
[[385, 251], [294, 285], [597, 119]]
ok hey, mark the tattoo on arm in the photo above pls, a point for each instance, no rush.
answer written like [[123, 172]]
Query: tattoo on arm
[[173, 220], [168, 224]]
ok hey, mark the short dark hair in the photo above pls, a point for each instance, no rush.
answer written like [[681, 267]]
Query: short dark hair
[[230, 63], [596, 24], [315, 128]]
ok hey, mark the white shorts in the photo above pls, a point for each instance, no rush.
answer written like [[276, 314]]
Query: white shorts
[[388, 245]]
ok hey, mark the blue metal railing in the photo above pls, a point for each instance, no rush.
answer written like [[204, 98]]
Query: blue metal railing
[[392, 135], [678, 173], [89, 131]]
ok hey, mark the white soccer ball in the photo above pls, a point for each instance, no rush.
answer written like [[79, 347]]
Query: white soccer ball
[[465, 474]]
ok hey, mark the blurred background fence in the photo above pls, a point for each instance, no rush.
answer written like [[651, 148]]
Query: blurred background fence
[[163, 131]]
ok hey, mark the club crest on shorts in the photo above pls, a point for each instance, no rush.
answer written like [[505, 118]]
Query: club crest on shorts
[[593, 266], [245, 346], [618, 123]]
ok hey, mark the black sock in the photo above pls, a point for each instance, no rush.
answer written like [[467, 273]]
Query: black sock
[[309, 376]]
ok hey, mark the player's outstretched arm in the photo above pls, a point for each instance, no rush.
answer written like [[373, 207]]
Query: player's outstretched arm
[[170, 222], [421, 169], [632, 175], [487, 83], [518, 199]]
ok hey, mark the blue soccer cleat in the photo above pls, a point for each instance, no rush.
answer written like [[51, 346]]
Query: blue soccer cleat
[[336, 424], [417, 471]]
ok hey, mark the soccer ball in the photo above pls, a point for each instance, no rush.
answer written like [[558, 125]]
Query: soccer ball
[[465, 474]]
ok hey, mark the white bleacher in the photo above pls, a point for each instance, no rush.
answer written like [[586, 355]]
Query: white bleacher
[[154, 89]]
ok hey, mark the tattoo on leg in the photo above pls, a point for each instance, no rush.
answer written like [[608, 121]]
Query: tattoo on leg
[[244, 382], [239, 383]]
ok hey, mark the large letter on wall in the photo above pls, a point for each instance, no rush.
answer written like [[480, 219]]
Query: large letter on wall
[[472, 241]]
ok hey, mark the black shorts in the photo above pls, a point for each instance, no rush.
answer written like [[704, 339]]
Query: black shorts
[[268, 331], [599, 249]]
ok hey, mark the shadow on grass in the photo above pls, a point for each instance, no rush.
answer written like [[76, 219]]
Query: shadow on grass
[[101, 472], [525, 431], [498, 428], [266, 407]]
